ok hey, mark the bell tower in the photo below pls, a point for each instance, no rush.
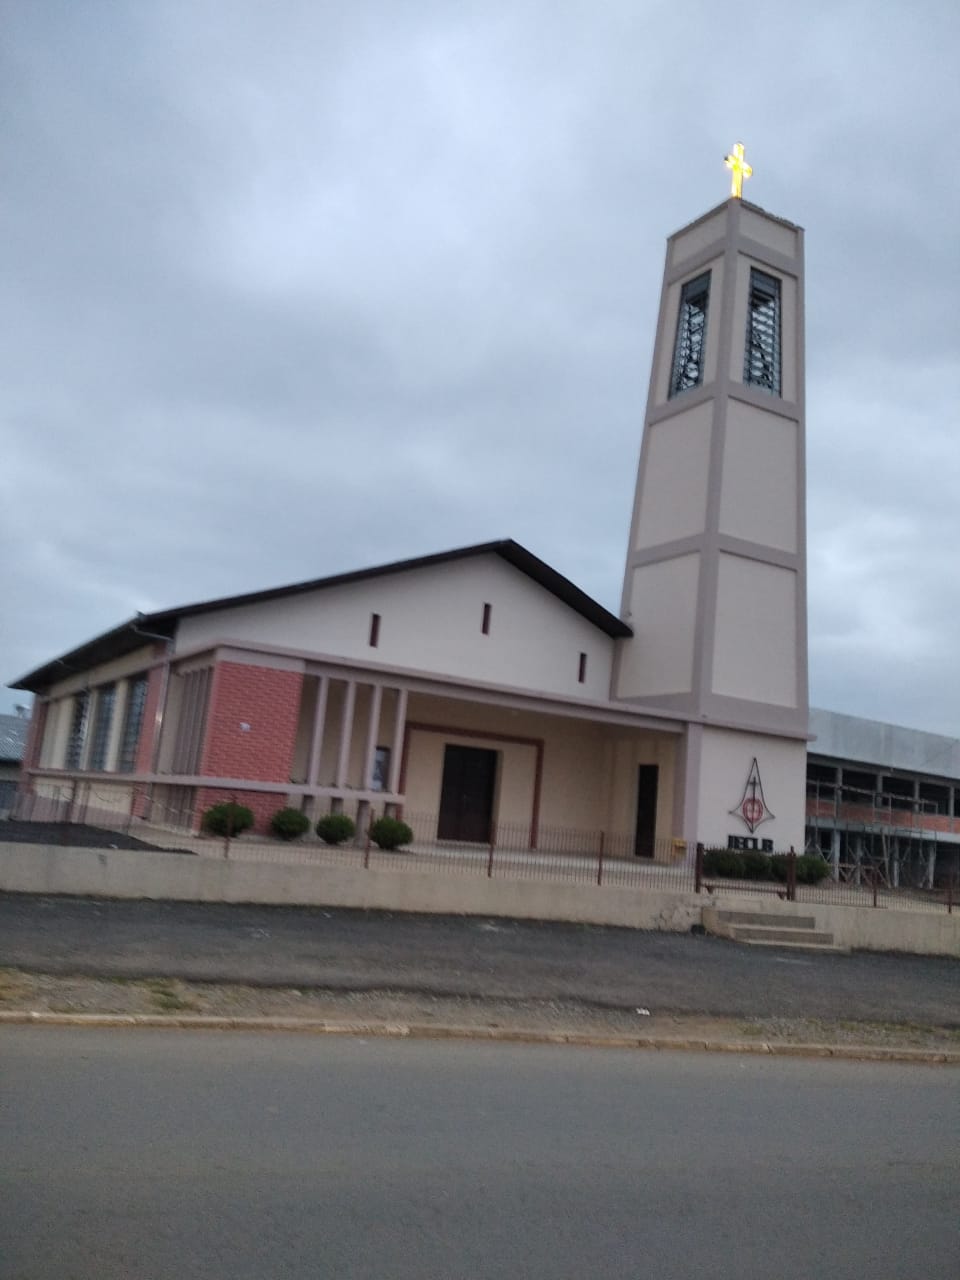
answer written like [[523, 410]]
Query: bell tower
[[715, 578]]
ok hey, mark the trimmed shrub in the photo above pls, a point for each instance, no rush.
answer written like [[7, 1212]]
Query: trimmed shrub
[[227, 819], [334, 828], [756, 865], [727, 863], [390, 833], [778, 867], [811, 869], [289, 824]]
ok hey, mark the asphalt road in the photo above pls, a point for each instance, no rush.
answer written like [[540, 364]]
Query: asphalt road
[[176, 1154], [442, 955]]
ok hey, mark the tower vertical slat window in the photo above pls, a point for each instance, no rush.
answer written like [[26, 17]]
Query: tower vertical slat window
[[374, 630], [761, 358], [102, 722], [690, 346]]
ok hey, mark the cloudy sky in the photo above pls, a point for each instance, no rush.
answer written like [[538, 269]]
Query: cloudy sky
[[295, 288]]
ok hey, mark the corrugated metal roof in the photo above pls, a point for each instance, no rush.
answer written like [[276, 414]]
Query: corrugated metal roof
[[13, 737]]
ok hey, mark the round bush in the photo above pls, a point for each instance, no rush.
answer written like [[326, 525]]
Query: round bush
[[756, 865], [778, 867], [227, 819], [723, 862], [289, 824], [811, 869], [334, 828], [390, 833]]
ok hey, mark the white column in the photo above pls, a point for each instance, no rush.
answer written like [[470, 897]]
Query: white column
[[373, 729], [346, 733], [319, 722], [396, 755]]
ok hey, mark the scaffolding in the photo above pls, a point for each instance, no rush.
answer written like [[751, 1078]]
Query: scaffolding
[[871, 836]]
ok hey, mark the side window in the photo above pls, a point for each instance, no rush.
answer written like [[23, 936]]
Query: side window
[[78, 731], [132, 724], [102, 723], [761, 357], [690, 346]]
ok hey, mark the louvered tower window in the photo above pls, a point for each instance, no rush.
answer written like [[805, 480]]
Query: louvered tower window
[[761, 360], [691, 341]]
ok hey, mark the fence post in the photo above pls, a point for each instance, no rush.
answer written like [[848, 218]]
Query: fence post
[[875, 879], [226, 838], [600, 861], [493, 842], [698, 869], [366, 845], [792, 875], [950, 895]]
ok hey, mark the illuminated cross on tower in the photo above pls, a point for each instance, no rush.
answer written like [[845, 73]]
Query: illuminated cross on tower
[[740, 169]]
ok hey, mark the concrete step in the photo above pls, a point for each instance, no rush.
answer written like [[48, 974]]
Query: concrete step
[[768, 933], [760, 918], [821, 948]]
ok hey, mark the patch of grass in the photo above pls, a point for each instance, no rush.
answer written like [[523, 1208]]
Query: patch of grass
[[168, 997], [12, 984]]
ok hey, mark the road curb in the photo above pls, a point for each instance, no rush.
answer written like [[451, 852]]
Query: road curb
[[512, 1035]]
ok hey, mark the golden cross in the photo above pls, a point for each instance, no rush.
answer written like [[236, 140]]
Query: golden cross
[[740, 168]]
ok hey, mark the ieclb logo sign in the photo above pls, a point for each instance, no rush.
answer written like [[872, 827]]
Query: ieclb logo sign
[[752, 809]]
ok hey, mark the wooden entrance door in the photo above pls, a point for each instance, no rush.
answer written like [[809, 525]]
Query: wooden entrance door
[[466, 795], [647, 784]]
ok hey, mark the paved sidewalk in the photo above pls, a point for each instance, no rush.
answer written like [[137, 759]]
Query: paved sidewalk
[[352, 951]]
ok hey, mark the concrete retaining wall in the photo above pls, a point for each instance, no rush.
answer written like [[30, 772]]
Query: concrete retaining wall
[[120, 873]]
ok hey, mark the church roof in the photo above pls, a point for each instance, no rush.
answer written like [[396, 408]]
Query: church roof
[[162, 625]]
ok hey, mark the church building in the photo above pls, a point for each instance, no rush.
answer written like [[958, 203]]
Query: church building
[[478, 691]]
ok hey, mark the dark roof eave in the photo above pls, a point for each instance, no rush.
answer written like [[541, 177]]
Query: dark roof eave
[[132, 634]]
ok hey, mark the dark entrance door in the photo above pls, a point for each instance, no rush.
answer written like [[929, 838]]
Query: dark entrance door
[[647, 782], [466, 796]]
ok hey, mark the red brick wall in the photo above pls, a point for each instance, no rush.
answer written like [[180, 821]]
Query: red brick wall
[[266, 700], [263, 803]]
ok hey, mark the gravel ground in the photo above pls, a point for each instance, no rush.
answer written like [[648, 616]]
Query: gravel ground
[[335, 952], [49, 993]]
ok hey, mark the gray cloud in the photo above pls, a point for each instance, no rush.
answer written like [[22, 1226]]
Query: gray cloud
[[300, 288]]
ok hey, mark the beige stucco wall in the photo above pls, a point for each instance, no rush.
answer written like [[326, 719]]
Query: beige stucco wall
[[673, 500], [431, 621], [663, 611], [589, 770], [756, 639], [686, 244], [779, 236], [725, 766], [759, 445]]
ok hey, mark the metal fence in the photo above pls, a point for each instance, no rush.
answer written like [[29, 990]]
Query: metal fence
[[514, 851]]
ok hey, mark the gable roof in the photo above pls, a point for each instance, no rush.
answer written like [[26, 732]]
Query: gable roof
[[162, 625]]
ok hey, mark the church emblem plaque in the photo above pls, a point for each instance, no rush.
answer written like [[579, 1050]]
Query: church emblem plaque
[[752, 810]]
